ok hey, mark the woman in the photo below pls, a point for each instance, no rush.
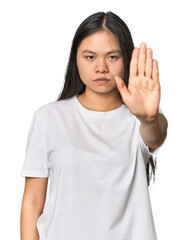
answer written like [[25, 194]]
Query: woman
[[96, 141]]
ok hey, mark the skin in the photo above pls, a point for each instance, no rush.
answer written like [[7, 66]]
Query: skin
[[142, 96]]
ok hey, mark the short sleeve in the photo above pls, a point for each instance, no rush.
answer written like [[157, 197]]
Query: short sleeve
[[35, 163]]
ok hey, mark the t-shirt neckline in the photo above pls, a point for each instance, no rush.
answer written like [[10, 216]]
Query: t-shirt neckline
[[97, 114]]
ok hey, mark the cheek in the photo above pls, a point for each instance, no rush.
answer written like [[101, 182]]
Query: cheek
[[118, 69], [82, 66], [121, 69], [84, 70]]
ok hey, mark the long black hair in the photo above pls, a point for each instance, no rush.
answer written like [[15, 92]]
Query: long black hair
[[99, 21]]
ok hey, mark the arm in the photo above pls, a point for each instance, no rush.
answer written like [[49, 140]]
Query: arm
[[154, 132], [32, 206], [142, 96]]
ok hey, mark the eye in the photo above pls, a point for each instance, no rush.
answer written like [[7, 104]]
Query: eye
[[114, 57], [89, 57]]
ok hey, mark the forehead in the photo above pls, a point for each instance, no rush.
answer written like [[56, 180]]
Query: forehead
[[99, 41]]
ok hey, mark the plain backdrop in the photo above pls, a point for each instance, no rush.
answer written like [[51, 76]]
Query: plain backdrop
[[35, 41]]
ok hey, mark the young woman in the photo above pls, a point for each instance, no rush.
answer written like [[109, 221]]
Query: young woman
[[96, 142]]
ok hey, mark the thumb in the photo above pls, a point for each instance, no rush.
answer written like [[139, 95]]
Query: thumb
[[121, 86]]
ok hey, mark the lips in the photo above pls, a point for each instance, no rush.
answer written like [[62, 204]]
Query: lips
[[102, 79]]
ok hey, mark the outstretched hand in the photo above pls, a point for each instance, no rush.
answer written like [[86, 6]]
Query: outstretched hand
[[142, 96]]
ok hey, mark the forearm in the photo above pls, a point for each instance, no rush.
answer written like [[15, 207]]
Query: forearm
[[154, 133], [28, 221]]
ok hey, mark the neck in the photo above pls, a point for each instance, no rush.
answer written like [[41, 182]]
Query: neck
[[100, 102]]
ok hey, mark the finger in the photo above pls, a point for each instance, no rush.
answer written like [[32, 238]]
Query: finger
[[142, 59], [121, 85], [149, 64], [124, 92], [155, 72], [134, 62]]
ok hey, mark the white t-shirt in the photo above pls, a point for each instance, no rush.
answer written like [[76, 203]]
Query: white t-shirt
[[96, 162]]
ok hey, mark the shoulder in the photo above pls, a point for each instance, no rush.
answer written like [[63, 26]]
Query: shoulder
[[53, 107]]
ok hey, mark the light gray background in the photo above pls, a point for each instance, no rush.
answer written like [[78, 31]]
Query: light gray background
[[35, 42]]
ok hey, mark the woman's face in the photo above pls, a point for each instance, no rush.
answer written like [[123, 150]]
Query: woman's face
[[99, 56]]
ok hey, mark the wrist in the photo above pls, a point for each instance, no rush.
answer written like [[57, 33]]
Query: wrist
[[150, 120]]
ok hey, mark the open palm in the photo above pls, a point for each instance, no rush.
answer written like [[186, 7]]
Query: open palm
[[143, 93]]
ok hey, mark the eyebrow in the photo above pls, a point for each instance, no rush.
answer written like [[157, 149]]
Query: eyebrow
[[113, 51]]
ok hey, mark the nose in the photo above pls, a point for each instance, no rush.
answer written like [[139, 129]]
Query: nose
[[101, 66]]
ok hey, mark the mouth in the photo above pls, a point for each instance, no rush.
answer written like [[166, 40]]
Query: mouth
[[102, 80]]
